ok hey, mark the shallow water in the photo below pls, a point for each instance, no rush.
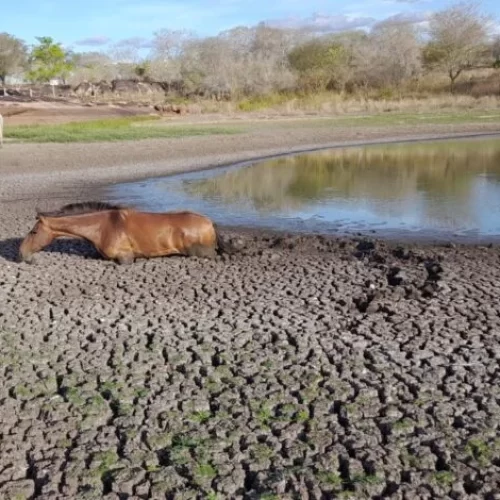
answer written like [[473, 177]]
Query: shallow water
[[439, 189]]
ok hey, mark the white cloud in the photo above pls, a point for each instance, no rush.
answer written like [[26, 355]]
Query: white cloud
[[408, 18], [94, 41], [324, 23], [136, 42]]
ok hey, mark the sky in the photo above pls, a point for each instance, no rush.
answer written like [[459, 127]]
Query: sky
[[98, 24]]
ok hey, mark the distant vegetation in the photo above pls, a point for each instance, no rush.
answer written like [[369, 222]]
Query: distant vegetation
[[266, 66]]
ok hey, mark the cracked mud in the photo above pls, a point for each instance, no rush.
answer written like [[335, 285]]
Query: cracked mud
[[300, 367]]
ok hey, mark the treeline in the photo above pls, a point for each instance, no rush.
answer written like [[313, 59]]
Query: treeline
[[263, 59]]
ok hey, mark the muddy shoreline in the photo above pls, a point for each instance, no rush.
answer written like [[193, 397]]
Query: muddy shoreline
[[299, 367]]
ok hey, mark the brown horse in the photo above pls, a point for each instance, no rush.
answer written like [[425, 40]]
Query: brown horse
[[123, 234]]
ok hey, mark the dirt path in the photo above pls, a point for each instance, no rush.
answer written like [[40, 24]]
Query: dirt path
[[300, 367]]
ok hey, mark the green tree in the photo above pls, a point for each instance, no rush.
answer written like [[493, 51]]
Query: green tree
[[13, 55], [495, 52], [142, 69], [320, 63], [49, 60]]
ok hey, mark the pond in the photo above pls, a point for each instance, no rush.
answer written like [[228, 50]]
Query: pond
[[439, 190]]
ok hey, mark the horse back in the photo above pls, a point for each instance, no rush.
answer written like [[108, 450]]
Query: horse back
[[175, 220], [178, 230]]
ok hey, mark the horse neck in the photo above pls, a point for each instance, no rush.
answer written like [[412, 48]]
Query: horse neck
[[85, 226]]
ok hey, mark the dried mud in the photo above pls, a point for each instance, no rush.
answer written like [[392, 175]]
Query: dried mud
[[298, 367]]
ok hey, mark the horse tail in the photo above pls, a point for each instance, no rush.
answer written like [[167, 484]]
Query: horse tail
[[222, 246]]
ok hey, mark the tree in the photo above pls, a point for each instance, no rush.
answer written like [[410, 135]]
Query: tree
[[212, 65], [495, 52], [320, 63], [142, 69], [91, 66], [458, 36], [13, 55], [49, 60], [389, 56], [167, 49]]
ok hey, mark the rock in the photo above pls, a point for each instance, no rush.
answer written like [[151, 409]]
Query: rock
[[365, 246], [434, 270], [402, 253], [396, 276]]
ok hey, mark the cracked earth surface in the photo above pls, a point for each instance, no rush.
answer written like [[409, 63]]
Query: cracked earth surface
[[299, 367]]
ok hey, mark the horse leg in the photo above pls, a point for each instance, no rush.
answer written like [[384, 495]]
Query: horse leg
[[125, 259], [198, 250], [117, 248]]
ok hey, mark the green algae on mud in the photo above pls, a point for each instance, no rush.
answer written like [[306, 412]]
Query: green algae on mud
[[390, 119], [115, 129]]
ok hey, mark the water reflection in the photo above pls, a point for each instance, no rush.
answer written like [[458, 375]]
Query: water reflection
[[444, 186]]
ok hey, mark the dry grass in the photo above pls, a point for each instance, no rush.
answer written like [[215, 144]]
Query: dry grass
[[325, 103], [477, 89], [337, 104], [144, 98]]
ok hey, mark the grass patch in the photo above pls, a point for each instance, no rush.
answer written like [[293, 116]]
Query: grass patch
[[265, 415], [116, 129], [302, 416], [330, 479], [390, 119], [73, 396], [261, 102], [444, 478], [366, 479], [205, 471], [105, 460], [405, 424], [200, 417], [481, 451], [262, 452]]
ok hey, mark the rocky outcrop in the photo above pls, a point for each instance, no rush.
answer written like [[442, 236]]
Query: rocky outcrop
[[137, 89]]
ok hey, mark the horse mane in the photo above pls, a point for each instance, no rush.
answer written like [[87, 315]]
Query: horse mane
[[81, 208]]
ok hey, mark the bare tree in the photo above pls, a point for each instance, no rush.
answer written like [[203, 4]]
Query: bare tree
[[239, 61], [167, 50], [273, 43], [127, 54], [92, 67], [13, 55], [458, 38], [389, 56], [211, 64]]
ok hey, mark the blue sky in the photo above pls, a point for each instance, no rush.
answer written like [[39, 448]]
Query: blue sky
[[97, 24]]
